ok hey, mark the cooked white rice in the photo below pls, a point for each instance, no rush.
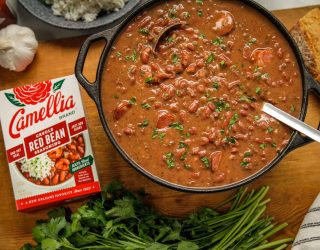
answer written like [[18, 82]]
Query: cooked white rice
[[38, 167], [86, 10]]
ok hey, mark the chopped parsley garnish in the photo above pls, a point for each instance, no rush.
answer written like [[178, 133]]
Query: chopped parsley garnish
[[183, 156], [247, 154], [233, 120], [149, 80], [200, 13], [269, 129], [274, 145], [133, 57], [217, 41], [199, 2], [186, 135], [223, 64], [169, 160], [258, 90], [118, 54], [215, 86], [145, 105], [155, 134], [205, 162], [144, 124], [115, 96], [244, 163], [292, 108], [264, 76], [170, 39], [144, 31], [230, 139], [186, 14], [172, 13], [248, 99], [176, 125], [263, 145], [256, 117], [133, 100], [251, 41], [182, 144], [202, 36], [222, 131], [221, 105], [210, 58], [174, 58]]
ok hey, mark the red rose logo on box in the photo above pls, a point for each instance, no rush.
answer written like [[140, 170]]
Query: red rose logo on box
[[32, 94]]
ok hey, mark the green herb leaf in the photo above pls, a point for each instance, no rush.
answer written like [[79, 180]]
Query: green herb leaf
[[155, 133], [234, 119], [199, 2], [176, 125], [133, 100], [132, 57], [244, 164], [145, 105], [206, 162], [292, 108], [269, 129], [215, 86], [144, 31], [169, 160], [221, 105], [217, 41], [247, 154], [263, 145], [118, 54], [187, 245], [170, 39], [50, 244], [248, 99], [200, 13], [202, 36], [230, 139], [223, 64], [182, 144], [115, 96], [172, 13], [258, 90], [210, 58], [149, 80], [251, 41], [144, 124], [184, 156], [256, 118], [174, 58]]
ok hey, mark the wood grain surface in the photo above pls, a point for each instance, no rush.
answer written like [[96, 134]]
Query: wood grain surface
[[294, 182]]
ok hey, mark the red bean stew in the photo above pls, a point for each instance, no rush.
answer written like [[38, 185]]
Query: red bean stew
[[190, 112], [61, 157]]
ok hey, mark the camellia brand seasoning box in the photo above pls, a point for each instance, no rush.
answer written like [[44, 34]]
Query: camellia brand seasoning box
[[47, 143]]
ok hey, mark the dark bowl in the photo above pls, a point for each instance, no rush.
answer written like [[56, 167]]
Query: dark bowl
[[45, 14], [94, 91]]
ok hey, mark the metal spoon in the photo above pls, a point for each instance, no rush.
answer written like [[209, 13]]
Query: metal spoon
[[163, 32], [291, 121]]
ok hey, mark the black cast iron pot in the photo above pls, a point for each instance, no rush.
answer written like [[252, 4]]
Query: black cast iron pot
[[94, 91]]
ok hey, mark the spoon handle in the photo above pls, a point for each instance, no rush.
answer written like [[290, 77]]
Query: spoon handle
[[291, 121]]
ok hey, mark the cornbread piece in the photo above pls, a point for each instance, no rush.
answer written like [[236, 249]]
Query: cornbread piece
[[307, 35]]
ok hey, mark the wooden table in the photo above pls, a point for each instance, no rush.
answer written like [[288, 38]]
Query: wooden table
[[294, 182]]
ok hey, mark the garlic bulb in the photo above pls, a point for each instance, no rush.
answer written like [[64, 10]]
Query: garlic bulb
[[18, 46]]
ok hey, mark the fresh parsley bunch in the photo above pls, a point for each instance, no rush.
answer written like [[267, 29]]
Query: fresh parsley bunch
[[119, 220]]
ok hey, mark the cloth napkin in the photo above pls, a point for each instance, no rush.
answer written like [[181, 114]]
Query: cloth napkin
[[308, 237]]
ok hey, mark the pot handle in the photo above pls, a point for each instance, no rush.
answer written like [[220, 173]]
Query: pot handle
[[94, 87], [300, 140]]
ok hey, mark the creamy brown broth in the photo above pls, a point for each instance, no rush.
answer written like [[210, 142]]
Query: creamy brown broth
[[191, 112]]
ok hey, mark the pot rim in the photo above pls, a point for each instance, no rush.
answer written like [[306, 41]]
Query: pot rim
[[292, 144]]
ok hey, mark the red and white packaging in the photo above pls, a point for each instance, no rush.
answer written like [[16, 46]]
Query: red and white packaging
[[47, 143]]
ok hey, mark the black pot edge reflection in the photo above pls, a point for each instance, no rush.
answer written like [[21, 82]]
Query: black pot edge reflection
[[94, 91]]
